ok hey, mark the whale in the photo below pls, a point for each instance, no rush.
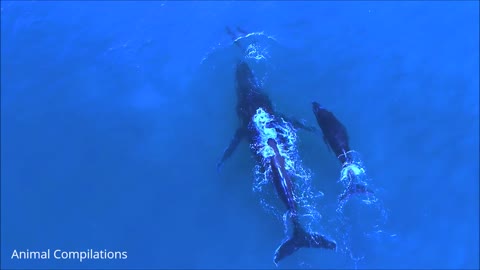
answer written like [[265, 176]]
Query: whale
[[259, 125], [334, 132], [336, 138]]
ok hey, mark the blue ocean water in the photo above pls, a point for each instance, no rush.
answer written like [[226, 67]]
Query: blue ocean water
[[114, 115]]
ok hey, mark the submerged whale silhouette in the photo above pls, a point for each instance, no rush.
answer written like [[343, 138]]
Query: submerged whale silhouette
[[252, 104]]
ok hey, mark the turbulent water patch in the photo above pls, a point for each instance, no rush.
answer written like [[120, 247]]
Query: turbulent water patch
[[271, 127], [361, 215]]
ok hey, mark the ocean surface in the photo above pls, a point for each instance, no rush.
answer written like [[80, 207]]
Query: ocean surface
[[115, 114]]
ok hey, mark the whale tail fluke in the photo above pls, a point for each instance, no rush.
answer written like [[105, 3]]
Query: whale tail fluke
[[302, 239]]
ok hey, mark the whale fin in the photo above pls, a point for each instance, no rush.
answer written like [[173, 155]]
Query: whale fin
[[234, 36], [230, 33], [302, 239], [298, 124], [239, 135], [242, 31]]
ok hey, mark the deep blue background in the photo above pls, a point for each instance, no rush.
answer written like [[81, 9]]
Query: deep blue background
[[112, 124]]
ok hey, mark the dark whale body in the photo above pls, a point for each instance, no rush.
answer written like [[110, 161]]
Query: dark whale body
[[336, 138], [250, 100], [334, 132]]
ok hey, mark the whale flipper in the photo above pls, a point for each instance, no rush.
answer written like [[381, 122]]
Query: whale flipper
[[230, 33], [298, 124], [234, 36], [242, 31], [301, 239], [239, 135]]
